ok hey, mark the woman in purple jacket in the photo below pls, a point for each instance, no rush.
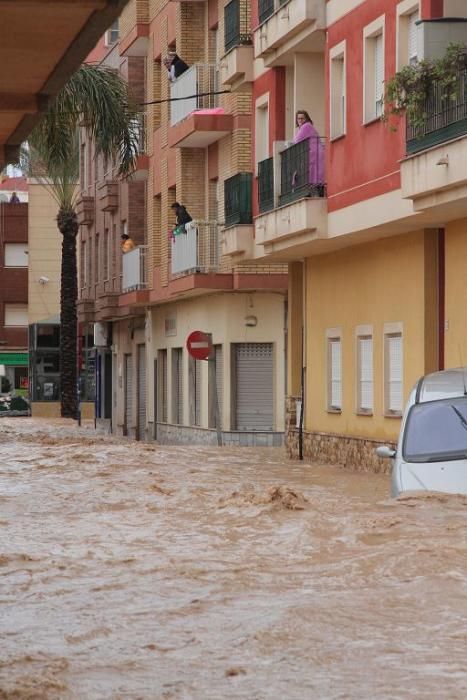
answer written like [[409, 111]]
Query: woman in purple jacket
[[306, 130]]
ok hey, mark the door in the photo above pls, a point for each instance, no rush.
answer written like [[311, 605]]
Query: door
[[128, 392], [141, 378], [254, 386]]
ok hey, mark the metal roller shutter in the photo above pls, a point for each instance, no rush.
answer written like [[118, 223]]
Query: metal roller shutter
[[177, 386], [128, 391], [141, 391], [254, 386], [220, 379], [198, 392]]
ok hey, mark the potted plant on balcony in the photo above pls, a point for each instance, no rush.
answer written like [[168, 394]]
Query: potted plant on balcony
[[410, 88]]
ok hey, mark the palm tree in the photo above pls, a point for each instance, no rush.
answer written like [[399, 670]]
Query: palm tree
[[95, 97]]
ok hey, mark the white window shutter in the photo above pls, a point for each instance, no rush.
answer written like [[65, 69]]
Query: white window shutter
[[413, 19], [16, 254], [16, 315], [379, 74], [394, 358], [336, 372], [366, 373]]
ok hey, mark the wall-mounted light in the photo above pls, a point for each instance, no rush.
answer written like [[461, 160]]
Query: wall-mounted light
[[43, 280], [251, 321], [444, 160]]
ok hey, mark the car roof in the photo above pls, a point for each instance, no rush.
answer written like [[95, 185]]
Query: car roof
[[442, 385]]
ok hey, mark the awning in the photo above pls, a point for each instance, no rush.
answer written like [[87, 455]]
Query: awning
[[14, 358]]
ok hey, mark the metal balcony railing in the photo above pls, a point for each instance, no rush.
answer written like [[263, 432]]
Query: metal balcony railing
[[237, 199], [134, 271], [445, 116], [266, 185], [302, 170], [193, 90], [236, 24], [196, 249], [265, 9]]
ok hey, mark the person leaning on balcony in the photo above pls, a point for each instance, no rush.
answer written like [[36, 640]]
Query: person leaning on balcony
[[175, 66], [182, 217], [14, 199], [306, 130], [127, 243]]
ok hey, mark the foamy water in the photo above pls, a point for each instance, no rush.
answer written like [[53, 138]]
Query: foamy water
[[140, 571]]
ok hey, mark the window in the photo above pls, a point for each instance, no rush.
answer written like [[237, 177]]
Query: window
[[338, 91], [364, 372], [408, 14], [262, 128], [215, 387], [16, 315], [16, 254], [105, 255], [112, 34], [334, 370], [393, 372], [374, 70]]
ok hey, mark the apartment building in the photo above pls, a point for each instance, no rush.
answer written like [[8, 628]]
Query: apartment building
[[14, 289], [144, 303], [375, 289]]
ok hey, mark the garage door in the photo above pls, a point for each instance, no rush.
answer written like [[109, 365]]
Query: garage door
[[141, 391], [254, 386]]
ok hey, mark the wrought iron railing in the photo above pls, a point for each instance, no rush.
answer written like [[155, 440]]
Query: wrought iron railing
[[194, 90], [266, 185], [265, 9], [195, 248], [302, 170], [134, 272], [237, 199], [236, 24], [444, 116]]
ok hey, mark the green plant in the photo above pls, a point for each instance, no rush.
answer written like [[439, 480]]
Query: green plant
[[408, 90]]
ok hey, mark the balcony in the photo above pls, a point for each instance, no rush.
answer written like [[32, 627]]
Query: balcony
[[141, 169], [445, 117], [237, 237], [134, 269], [236, 66], [289, 27], [190, 91], [136, 17], [266, 185], [108, 196], [433, 175], [85, 211], [196, 249], [292, 200]]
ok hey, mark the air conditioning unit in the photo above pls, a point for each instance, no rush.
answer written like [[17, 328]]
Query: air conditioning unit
[[101, 334]]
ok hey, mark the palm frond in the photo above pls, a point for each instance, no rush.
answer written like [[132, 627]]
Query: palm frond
[[97, 97]]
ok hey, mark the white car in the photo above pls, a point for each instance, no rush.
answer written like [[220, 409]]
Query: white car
[[431, 452]]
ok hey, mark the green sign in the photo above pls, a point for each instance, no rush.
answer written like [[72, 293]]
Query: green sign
[[19, 359]]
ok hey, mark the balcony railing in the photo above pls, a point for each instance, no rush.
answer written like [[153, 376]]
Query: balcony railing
[[237, 199], [236, 24], [190, 91], [302, 170], [445, 116], [196, 249], [265, 9], [266, 185], [134, 272]]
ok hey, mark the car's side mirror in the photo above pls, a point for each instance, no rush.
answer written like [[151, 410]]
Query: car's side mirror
[[385, 452]]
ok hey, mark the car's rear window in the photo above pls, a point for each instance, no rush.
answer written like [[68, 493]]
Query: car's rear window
[[436, 431]]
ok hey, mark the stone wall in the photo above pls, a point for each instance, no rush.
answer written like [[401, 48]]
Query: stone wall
[[352, 452], [169, 434]]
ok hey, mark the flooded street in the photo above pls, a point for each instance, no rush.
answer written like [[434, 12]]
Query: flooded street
[[130, 570]]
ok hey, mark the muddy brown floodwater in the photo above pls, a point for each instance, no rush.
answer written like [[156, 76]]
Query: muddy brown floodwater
[[150, 572]]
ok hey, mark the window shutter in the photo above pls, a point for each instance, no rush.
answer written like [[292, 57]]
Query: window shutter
[[16, 315], [336, 372], [394, 356], [379, 74], [366, 373], [16, 254], [413, 18]]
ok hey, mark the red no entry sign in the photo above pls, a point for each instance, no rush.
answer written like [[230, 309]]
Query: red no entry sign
[[199, 345]]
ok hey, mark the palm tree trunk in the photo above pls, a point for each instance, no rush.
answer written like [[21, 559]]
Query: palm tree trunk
[[68, 226]]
